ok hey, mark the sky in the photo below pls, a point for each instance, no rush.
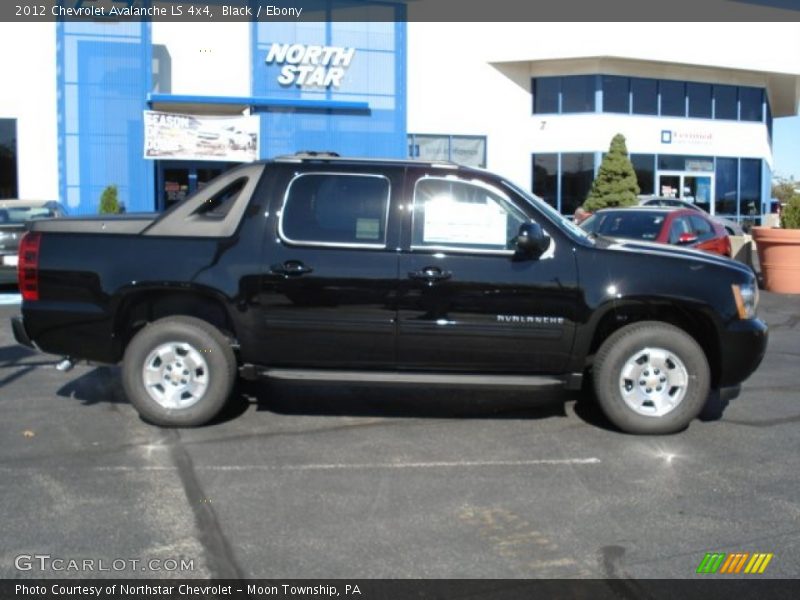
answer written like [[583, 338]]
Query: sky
[[786, 147]]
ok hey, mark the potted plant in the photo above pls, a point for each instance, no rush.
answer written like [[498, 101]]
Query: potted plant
[[779, 250]]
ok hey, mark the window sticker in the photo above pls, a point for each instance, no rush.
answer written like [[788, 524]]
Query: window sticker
[[368, 229], [451, 222]]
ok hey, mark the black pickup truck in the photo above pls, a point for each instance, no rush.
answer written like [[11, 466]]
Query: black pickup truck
[[348, 269]]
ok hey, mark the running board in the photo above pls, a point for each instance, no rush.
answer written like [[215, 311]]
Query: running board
[[410, 377]]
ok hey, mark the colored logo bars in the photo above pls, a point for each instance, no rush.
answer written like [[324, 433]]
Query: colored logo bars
[[734, 563]]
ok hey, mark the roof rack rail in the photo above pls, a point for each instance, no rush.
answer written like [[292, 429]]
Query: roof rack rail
[[299, 157]]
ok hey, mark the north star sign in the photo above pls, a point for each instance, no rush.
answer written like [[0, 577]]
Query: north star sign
[[310, 66]]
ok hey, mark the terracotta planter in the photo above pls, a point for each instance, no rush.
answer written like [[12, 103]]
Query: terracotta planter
[[779, 255]]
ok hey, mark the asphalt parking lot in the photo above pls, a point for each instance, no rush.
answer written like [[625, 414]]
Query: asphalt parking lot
[[316, 481]]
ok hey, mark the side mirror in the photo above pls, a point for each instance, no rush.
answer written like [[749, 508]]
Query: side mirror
[[531, 240], [686, 238]]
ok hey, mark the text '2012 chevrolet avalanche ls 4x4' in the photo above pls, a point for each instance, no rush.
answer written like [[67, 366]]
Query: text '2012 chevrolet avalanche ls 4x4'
[[317, 266]]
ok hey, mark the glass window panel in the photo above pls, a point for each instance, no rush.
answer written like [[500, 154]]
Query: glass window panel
[[673, 98], [8, 158], [545, 178], [699, 100], [616, 97], [725, 102], [681, 162], [645, 96], [545, 94], [337, 209], [464, 215], [577, 93], [577, 173], [645, 174], [725, 183], [750, 102], [750, 189]]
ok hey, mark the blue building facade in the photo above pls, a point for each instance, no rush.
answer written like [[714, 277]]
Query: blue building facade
[[106, 82]]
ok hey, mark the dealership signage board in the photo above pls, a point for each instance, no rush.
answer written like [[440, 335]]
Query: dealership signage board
[[194, 137], [306, 65]]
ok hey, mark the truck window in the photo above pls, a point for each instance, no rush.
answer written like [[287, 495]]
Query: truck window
[[336, 209], [463, 215]]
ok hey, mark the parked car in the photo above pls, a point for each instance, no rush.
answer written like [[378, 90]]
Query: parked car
[[677, 226], [317, 267], [13, 216], [732, 227]]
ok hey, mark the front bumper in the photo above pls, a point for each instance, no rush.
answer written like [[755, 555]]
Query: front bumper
[[18, 327], [742, 348]]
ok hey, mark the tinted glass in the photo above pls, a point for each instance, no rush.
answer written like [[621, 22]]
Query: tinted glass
[[616, 94], [577, 173], [631, 224], [750, 198], [680, 162], [577, 93], [701, 228], [645, 96], [699, 100], [750, 103], [680, 225], [545, 177], [344, 209], [8, 158], [17, 216], [463, 215], [725, 102], [725, 185], [545, 94], [644, 164], [673, 98]]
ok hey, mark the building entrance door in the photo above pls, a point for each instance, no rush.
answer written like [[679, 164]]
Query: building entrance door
[[690, 186]]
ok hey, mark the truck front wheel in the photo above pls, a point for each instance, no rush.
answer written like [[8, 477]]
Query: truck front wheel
[[651, 378], [178, 372]]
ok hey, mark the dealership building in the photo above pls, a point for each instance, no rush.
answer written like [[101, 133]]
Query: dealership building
[[158, 109]]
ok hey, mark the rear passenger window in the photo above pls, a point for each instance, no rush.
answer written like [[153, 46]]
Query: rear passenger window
[[340, 209], [702, 228]]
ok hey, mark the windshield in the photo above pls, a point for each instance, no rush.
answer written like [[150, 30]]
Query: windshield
[[18, 216], [626, 224], [551, 212]]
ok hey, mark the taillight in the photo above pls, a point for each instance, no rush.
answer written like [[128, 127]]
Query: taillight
[[726, 248], [28, 265]]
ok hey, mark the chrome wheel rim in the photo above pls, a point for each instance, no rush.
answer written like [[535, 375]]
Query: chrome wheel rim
[[653, 382], [175, 375]]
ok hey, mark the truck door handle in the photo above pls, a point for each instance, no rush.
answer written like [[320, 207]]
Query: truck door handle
[[290, 268], [430, 274]]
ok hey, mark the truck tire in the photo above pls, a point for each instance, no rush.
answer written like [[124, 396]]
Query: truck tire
[[651, 378], [178, 372]]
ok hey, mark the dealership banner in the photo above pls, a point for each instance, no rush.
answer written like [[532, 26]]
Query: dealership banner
[[192, 137]]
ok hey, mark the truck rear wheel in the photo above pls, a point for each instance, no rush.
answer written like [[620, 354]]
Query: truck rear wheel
[[178, 372], [651, 378]]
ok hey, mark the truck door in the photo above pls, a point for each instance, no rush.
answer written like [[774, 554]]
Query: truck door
[[466, 302], [330, 269]]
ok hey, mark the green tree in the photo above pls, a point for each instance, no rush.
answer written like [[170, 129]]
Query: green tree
[[784, 189], [615, 184], [109, 203]]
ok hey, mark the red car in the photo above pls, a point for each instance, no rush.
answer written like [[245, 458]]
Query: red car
[[679, 226]]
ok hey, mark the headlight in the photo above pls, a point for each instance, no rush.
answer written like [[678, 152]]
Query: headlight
[[746, 298]]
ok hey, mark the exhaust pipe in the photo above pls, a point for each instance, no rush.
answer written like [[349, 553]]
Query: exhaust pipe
[[65, 364]]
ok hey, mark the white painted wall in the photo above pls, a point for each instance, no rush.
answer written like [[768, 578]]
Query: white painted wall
[[28, 73], [208, 59], [474, 78]]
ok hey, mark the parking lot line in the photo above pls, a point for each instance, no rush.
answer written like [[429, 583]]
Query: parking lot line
[[355, 466]]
